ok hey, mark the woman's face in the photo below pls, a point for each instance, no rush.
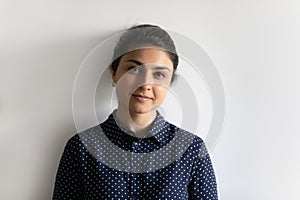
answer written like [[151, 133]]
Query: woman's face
[[142, 80]]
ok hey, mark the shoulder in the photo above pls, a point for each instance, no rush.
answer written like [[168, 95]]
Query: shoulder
[[76, 141], [197, 140], [196, 143]]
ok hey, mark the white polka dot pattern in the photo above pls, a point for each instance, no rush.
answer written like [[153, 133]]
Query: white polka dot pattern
[[81, 175]]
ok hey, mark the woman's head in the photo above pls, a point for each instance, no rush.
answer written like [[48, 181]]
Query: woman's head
[[141, 36], [144, 67]]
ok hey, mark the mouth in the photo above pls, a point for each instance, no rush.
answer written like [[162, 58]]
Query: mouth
[[141, 98]]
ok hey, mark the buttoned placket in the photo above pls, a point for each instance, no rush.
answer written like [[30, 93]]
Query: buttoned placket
[[134, 185], [136, 147]]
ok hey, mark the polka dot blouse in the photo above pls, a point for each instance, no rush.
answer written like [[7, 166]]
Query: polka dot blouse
[[107, 161]]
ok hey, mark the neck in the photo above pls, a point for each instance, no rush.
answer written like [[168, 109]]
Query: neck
[[139, 123]]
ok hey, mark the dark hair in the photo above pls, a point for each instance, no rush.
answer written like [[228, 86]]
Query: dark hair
[[144, 35]]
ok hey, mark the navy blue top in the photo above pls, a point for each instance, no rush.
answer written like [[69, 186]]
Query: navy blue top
[[169, 163]]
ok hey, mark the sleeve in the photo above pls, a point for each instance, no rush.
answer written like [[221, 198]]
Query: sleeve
[[203, 183], [68, 181]]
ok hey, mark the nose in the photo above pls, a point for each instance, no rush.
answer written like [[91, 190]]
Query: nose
[[146, 80], [145, 87]]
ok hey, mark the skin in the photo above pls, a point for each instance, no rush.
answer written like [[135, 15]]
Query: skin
[[142, 81]]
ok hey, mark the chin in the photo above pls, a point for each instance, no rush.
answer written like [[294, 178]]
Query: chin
[[141, 110]]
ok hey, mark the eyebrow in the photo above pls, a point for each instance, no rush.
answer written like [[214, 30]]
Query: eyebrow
[[160, 67], [135, 61], [140, 63]]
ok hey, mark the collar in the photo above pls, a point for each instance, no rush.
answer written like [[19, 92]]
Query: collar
[[159, 128]]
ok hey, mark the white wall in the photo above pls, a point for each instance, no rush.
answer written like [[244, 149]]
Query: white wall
[[255, 46]]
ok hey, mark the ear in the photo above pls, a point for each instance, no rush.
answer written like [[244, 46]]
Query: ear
[[174, 77], [113, 73]]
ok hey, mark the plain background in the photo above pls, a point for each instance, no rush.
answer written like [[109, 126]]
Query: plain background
[[255, 46]]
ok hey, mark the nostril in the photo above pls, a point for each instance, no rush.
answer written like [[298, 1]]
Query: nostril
[[145, 87]]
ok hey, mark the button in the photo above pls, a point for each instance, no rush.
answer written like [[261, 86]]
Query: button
[[135, 146], [136, 143]]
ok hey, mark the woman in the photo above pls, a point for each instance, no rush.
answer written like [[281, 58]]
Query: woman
[[135, 153]]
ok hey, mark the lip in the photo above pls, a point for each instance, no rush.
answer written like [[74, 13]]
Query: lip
[[141, 98]]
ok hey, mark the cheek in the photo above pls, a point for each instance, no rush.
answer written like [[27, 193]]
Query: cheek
[[125, 86], [160, 93]]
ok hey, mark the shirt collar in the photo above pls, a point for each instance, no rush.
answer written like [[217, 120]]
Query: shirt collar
[[158, 130]]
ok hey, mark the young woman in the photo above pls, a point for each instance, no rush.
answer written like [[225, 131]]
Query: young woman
[[136, 153]]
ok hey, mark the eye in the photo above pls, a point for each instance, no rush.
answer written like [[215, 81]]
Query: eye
[[159, 75], [134, 69]]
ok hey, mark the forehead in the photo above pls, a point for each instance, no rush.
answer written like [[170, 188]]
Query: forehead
[[151, 56]]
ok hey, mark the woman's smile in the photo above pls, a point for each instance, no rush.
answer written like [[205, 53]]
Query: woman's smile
[[141, 98]]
